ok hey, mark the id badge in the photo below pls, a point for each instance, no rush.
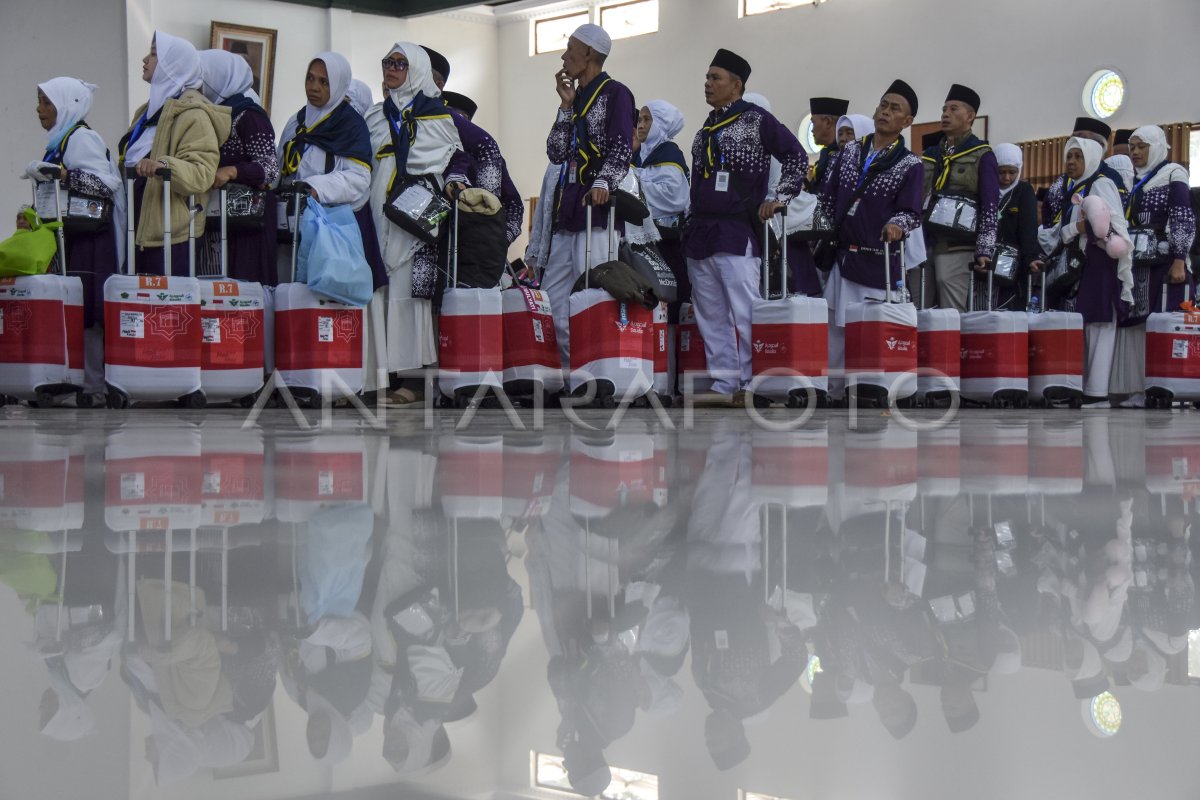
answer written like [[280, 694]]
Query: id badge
[[722, 184], [572, 172], [854, 208]]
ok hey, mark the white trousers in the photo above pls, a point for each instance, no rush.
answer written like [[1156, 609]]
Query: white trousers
[[724, 287], [1100, 341], [840, 293], [564, 265]]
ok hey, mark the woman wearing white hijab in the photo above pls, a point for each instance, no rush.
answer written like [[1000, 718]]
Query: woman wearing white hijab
[[85, 167], [663, 175], [411, 132], [1159, 200], [247, 159], [1018, 214], [360, 96], [181, 130], [852, 127], [1105, 284]]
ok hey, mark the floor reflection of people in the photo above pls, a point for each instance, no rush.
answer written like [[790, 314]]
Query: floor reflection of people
[[746, 654]]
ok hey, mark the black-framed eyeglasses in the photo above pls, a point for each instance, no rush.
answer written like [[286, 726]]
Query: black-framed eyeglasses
[[398, 64]]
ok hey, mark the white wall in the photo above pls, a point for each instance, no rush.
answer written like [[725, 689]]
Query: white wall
[[37, 46], [1030, 79]]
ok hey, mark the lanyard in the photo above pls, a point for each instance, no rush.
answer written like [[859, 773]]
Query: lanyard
[[1073, 188], [1135, 193], [55, 155], [709, 132], [949, 160], [138, 128]]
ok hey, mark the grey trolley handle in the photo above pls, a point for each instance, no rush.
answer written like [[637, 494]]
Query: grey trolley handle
[[193, 210], [130, 246], [887, 269], [224, 233], [783, 258], [165, 174], [1187, 294], [53, 173], [454, 241], [297, 190], [587, 239]]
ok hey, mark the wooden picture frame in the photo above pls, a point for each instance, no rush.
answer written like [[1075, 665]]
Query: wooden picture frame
[[264, 755], [257, 46]]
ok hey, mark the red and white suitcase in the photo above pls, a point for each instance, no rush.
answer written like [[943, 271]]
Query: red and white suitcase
[[43, 483], [317, 473], [1055, 354], [611, 342], [153, 479], [1172, 357], [881, 344], [531, 465], [691, 361], [531, 363], [471, 473], [234, 477], [790, 467], [790, 341], [233, 323], [994, 355], [318, 342], [152, 327], [614, 470], [939, 333], [470, 335], [41, 326], [1056, 455], [41, 337]]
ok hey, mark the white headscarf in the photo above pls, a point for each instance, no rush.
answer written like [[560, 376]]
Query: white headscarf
[[758, 100], [1122, 166], [420, 75], [178, 69], [72, 99], [1157, 139], [668, 122], [862, 125], [340, 76], [224, 75], [1093, 155], [1009, 155], [361, 96]]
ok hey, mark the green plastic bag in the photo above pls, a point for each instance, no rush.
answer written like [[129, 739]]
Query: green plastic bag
[[29, 252]]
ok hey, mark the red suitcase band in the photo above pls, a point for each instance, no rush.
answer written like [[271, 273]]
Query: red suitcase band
[[995, 355], [137, 335], [802, 347], [318, 338], [880, 347], [32, 332], [1056, 352], [471, 342]]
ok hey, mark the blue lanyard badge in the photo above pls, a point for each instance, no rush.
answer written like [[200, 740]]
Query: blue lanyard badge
[[867, 166]]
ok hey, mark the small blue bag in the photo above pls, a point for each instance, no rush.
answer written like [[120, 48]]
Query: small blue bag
[[330, 257]]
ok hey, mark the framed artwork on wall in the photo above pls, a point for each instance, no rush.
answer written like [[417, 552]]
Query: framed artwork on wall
[[257, 46]]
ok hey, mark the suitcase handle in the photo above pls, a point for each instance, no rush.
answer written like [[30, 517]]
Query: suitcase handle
[[224, 233], [766, 256], [59, 237], [887, 269], [130, 246], [587, 239], [454, 242]]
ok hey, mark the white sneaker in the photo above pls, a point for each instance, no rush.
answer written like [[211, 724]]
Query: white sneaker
[[1135, 401]]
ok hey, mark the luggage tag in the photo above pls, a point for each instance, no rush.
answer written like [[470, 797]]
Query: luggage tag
[[854, 208], [722, 177], [572, 171]]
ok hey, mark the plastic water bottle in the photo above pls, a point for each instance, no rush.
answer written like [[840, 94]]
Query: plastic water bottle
[[1035, 304], [902, 295]]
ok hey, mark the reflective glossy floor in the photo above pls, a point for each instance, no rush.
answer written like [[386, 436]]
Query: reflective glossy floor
[[859, 609]]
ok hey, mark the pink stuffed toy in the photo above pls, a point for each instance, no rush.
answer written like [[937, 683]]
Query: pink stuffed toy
[[1098, 217]]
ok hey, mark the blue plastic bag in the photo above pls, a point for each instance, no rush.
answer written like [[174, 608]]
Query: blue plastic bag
[[330, 257]]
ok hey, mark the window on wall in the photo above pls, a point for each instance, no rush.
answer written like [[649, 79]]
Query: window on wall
[[744, 795], [750, 7], [551, 33], [1103, 93], [549, 772], [630, 19], [805, 134]]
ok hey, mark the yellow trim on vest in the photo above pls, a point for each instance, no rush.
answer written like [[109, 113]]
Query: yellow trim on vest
[[940, 183]]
